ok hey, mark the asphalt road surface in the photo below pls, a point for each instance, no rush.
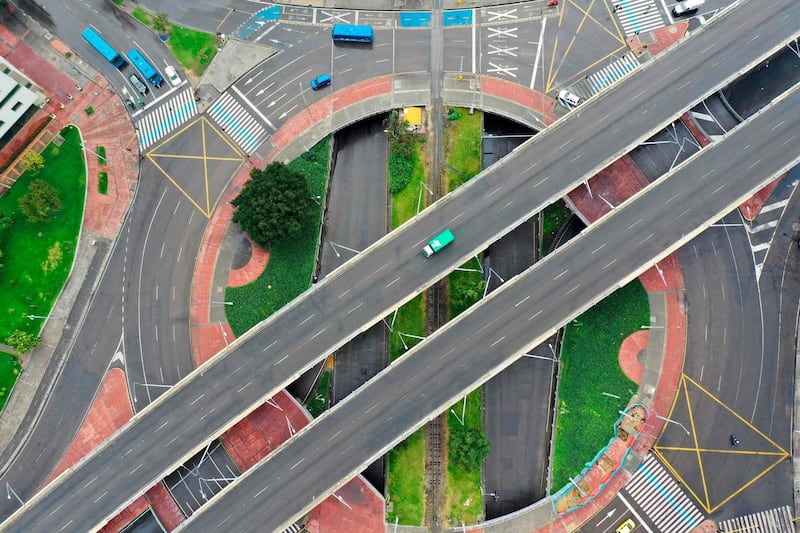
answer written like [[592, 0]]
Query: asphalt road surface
[[487, 338], [266, 359]]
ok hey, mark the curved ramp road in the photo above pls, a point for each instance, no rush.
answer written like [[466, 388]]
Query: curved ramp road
[[392, 271], [518, 316]]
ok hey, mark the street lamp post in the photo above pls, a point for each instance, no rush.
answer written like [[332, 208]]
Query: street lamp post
[[674, 422]]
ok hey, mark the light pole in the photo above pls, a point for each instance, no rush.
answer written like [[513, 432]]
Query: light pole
[[47, 317], [674, 422], [222, 303], [10, 491]]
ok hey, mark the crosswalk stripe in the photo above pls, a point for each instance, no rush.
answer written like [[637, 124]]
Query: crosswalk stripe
[[238, 123], [777, 520], [636, 16], [169, 114], [606, 76], [661, 498]]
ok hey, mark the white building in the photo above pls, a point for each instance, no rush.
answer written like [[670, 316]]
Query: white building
[[17, 95]]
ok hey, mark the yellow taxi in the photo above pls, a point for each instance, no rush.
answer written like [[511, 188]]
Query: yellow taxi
[[627, 526]]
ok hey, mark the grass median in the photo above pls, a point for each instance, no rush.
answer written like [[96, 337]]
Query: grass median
[[590, 371], [291, 264]]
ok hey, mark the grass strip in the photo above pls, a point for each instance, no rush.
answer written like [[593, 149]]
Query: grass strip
[[462, 147], [589, 368], [291, 264], [102, 182]]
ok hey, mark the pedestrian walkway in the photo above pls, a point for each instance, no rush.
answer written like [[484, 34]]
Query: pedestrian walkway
[[606, 76], [778, 520], [661, 499], [636, 16], [242, 127], [154, 124]]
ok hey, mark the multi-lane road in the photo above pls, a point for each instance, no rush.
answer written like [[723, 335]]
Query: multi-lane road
[[523, 313], [368, 287]]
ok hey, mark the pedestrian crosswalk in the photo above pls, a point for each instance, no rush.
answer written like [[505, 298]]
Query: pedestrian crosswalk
[[636, 16], [155, 123], [778, 520], [661, 499], [606, 76], [294, 528], [238, 123]]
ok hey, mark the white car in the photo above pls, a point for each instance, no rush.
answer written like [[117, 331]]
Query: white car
[[172, 76], [568, 98]]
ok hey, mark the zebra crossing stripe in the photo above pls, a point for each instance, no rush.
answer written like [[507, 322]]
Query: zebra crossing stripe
[[661, 499], [241, 126], [606, 76], [166, 117], [636, 16], [778, 520]]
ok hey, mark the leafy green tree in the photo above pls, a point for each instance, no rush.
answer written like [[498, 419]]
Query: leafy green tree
[[467, 448], [160, 22], [401, 152], [22, 342], [33, 161], [274, 205], [5, 220], [40, 202]]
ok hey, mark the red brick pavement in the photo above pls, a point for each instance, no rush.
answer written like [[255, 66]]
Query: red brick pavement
[[208, 338], [520, 95], [254, 267], [263, 430], [629, 354], [615, 183], [657, 41]]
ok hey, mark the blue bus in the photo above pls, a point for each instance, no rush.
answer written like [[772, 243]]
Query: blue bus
[[352, 33], [147, 70], [105, 49]]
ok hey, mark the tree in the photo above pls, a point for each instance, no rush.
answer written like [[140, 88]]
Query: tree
[[5, 220], [33, 161], [22, 342], [467, 447], [160, 22], [274, 205], [40, 202]]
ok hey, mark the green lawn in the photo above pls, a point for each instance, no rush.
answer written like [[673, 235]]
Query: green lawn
[[462, 147], [554, 216], [405, 481], [9, 370], [38, 257], [141, 14], [102, 182], [406, 202], [464, 495], [193, 49], [317, 404], [590, 367], [290, 267], [101, 155]]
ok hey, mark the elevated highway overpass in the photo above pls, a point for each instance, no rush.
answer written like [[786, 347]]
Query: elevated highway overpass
[[391, 272], [520, 315]]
